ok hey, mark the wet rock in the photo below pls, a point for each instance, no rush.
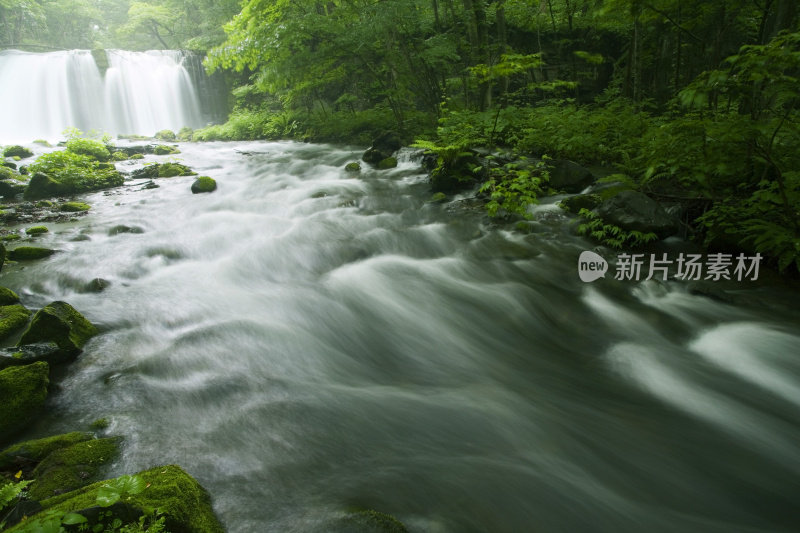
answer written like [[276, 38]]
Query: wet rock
[[13, 318], [61, 323], [575, 203], [29, 253], [23, 390], [352, 167], [165, 135], [17, 151], [34, 451], [163, 149], [73, 467], [569, 176], [204, 184], [49, 352], [389, 162], [635, 211], [383, 147], [97, 285], [366, 521], [36, 230], [74, 207], [162, 170], [122, 228], [7, 296]]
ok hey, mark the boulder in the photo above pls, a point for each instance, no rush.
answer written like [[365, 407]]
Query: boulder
[[365, 521], [8, 297], [74, 207], [178, 496], [162, 170], [29, 253], [163, 149], [49, 352], [569, 176], [72, 467], [34, 451], [43, 186], [352, 167], [635, 211], [389, 162], [165, 135], [23, 390], [59, 322], [204, 184], [383, 146], [12, 319], [36, 230], [11, 183], [575, 203], [17, 151], [122, 228]]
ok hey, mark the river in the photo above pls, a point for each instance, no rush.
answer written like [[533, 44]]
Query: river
[[304, 339]]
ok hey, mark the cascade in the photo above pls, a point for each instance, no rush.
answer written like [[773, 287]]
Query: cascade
[[116, 92]]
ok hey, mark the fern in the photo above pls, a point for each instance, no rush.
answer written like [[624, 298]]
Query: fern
[[610, 234]]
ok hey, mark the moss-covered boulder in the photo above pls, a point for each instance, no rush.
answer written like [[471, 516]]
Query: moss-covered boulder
[[59, 322], [185, 134], [17, 151], [8, 297], [36, 230], [29, 253], [73, 467], [11, 183], [575, 203], [382, 148], [163, 149], [49, 352], [162, 170], [119, 156], [352, 167], [389, 162], [569, 176], [165, 135], [136, 156], [74, 207], [180, 498], [23, 390], [204, 184], [12, 319], [34, 451], [63, 172]]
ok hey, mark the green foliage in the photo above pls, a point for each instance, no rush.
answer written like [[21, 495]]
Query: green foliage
[[513, 190], [77, 172], [10, 492], [89, 147], [609, 234]]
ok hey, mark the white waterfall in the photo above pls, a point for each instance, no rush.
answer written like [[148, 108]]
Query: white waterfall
[[140, 93]]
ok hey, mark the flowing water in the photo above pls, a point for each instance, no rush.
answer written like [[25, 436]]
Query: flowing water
[[304, 339], [139, 93]]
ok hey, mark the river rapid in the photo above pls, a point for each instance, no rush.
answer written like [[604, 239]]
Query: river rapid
[[304, 340]]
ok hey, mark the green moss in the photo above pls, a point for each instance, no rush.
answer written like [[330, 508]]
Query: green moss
[[42, 142], [89, 147], [163, 149], [8, 297], [23, 390], [12, 237], [45, 203], [36, 230], [438, 198], [100, 423], [204, 184], [352, 167], [17, 151], [185, 134], [368, 521], [136, 156], [169, 170], [75, 207], [12, 319], [29, 253], [165, 135], [59, 322], [36, 450], [70, 468], [119, 156], [389, 162], [175, 493]]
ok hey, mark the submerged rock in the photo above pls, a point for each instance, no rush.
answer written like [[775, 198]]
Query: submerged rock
[[122, 228], [49, 352], [352, 167], [389, 162], [162, 170], [29, 253], [23, 390], [59, 322], [366, 521], [204, 184], [163, 149]]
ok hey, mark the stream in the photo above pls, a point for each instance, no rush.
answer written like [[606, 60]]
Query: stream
[[304, 340]]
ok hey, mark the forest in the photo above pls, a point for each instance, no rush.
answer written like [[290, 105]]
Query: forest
[[692, 102]]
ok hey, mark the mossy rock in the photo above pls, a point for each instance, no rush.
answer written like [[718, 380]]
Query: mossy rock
[[74, 207], [34, 451], [162, 170], [389, 162], [73, 467], [36, 230], [11, 237], [165, 135], [45, 204], [42, 142], [438, 198], [122, 228], [180, 498], [366, 521], [353, 167], [185, 134], [17, 151], [136, 156], [163, 149], [575, 203], [23, 390], [12, 319], [61, 323], [29, 253], [204, 184], [8, 297], [119, 156]]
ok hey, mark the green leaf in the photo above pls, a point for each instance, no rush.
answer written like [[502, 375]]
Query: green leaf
[[71, 519]]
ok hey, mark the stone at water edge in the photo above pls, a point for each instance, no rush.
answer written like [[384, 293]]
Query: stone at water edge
[[569, 176], [7, 296], [49, 352], [389, 162], [12, 319], [382, 147], [61, 323], [17, 151], [204, 184], [352, 167], [33, 451], [29, 253], [23, 390], [635, 211]]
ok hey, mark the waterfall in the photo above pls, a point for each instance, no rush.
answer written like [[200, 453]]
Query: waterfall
[[134, 93]]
